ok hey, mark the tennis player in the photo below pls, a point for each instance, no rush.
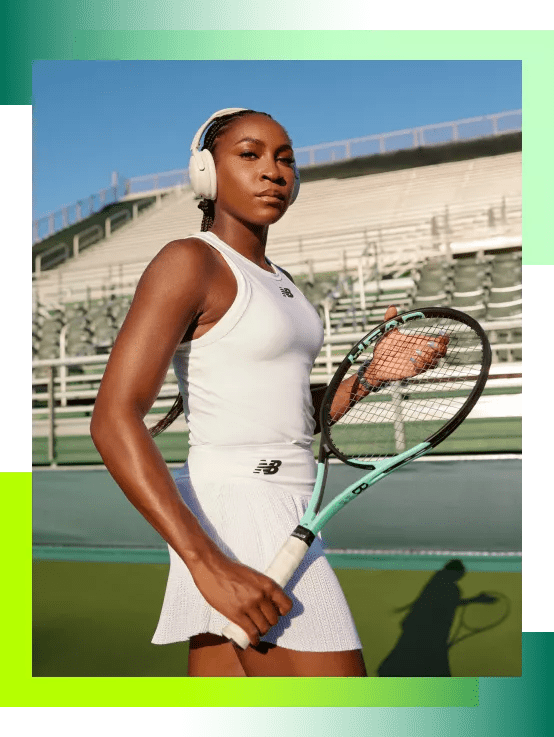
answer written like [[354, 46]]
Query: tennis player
[[243, 340]]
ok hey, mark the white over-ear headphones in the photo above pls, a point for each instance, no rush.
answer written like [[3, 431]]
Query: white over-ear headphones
[[202, 165]]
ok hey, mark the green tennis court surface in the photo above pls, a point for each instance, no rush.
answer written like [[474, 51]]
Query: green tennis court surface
[[97, 619]]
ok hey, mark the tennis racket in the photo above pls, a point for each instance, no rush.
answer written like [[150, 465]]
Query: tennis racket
[[399, 392]]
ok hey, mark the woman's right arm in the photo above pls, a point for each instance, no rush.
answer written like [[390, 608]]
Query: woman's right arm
[[172, 292]]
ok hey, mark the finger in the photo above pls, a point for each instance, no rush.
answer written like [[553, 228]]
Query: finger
[[432, 348], [439, 340], [432, 359], [440, 343], [424, 360], [282, 602], [418, 365], [270, 612], [391, 312], [261, 622], [438, 353], [248, 627]]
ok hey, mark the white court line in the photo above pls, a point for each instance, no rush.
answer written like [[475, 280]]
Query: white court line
[[415, 551]]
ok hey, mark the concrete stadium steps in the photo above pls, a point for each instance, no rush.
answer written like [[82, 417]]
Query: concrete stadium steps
[[380, 203], [427, 189]]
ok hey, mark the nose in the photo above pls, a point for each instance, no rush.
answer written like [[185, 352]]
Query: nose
[[271, 171]]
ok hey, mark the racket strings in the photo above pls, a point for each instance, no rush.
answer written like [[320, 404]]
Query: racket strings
[[429, 367]]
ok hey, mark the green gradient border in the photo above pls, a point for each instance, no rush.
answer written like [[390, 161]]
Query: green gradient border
[[37, 31], [274, 692]]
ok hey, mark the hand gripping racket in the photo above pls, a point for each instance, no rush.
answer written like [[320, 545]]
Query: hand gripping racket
[[399, 392]]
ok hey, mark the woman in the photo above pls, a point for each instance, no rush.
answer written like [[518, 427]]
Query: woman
[[243, 339]]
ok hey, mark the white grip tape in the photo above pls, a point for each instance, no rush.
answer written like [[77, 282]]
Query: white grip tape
[[287, 561], [281, 571]]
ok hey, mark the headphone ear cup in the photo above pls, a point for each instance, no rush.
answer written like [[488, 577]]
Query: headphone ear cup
[[296, 187], [202, 174]]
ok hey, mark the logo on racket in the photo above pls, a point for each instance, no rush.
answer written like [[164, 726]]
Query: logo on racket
[[286, 292], [268, 468]]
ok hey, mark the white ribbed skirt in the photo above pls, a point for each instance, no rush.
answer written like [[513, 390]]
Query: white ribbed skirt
[[250, 514]]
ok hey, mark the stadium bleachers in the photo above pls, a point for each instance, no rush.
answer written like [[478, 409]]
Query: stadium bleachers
[[395, 218]]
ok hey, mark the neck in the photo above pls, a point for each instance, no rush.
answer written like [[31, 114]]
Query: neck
[[247, 239]]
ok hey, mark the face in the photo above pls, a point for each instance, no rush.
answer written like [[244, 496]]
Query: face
[[254, 166]]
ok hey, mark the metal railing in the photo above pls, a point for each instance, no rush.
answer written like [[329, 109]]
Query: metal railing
[[50, 224], [60, 252], [425, 135], [322, 153]]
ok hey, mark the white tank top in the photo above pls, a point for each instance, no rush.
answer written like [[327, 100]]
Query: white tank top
[[247, 380]]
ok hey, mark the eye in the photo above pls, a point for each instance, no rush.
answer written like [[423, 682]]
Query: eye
[[247, 154], [288, 160]]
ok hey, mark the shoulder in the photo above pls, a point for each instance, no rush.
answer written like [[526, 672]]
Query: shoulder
[[183, 261], [183, 269], [190, 252]]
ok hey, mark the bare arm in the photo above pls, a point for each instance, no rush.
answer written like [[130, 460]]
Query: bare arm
[[172, 293], [349, 392]]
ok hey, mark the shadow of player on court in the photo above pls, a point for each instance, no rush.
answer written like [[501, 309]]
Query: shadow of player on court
[[422, 648]]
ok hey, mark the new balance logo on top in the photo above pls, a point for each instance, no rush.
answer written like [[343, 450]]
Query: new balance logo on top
[[286, 292], [267, 468]]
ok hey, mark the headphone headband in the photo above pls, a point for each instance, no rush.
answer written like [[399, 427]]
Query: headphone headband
[[195, 145]]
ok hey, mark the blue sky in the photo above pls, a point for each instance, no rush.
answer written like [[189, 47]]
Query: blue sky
[[138, 117]]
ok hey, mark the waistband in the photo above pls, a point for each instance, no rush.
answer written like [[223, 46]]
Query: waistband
[[279, 464]]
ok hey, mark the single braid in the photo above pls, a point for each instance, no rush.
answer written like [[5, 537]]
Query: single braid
[[170, 417], [207, 206]]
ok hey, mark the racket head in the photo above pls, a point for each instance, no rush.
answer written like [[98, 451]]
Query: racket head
[[425, 407]]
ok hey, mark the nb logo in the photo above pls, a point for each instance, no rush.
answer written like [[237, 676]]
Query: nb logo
[[286, 292], [267, 468]]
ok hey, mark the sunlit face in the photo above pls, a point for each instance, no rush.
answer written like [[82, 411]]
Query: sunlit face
[[254, 164]]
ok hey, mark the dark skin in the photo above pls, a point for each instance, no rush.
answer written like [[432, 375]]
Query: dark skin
[[183, 293]]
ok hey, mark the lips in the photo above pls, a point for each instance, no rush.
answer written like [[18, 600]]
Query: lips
[[272, 195]]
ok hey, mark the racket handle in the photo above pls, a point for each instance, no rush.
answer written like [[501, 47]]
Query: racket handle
[[281, 570]]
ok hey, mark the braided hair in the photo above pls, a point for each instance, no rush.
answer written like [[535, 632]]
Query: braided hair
[[215, 130]]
